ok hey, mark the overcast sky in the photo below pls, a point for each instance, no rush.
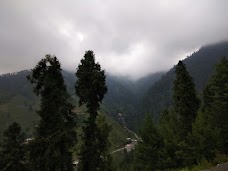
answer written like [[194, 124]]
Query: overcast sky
[[128, 37]]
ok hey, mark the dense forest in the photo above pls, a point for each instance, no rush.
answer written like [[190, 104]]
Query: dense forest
[[200, 65], [52, 118], [191, 131]]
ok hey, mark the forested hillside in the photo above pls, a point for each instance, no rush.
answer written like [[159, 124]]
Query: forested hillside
[[200, 65], [192, 134], [18, 103], [132, 98], [182, 134], [124, 96], [20, 108]]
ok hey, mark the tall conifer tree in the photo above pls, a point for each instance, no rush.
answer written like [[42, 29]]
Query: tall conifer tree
[[55, 134], [216, 100], [90, 88], [186, 103]]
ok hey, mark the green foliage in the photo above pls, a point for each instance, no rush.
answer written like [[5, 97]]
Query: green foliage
[[148, 151], [118, 134], [200, 65], [176, 125], [13, 153], [201, 141], [126, 160], [103, 131], [216, 100], [220, 158], [125, 96], [13, 110], [172, 153], [90, 88], [201, 138], [186, 103], [55, 134], [205, 138]]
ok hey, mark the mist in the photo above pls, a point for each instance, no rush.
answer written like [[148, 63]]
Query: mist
[[129, 38]]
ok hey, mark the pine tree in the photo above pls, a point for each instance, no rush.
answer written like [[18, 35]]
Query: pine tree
[[205, 137], [172, 152], [104, 129], [148, 151], [90, 88], [216, 100], [186, 103], [13, 152], [55, 134]]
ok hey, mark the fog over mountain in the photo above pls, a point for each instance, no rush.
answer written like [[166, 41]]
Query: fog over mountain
[[130, 38]]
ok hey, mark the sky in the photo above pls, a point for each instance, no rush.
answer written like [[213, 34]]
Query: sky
[[129, 37]]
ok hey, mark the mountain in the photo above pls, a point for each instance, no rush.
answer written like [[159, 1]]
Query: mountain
[[133, 99], [200, 65], [124, 96], [18, 102]]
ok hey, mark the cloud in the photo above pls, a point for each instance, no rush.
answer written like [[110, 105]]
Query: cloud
[[130, 37]]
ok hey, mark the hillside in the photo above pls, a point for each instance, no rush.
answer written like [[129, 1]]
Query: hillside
[[124, 96], [18, 103], [23, 111], [131, 98], [200, 66]]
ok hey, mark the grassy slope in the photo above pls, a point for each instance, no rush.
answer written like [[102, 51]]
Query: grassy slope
[[19, 109]]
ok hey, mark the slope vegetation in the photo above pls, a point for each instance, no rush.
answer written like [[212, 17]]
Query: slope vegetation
[[200, 65]]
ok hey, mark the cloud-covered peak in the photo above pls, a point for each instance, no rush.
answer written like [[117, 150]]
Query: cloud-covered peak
[[128, 37]]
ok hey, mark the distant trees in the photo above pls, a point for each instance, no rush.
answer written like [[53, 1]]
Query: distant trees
[[90, 88], [12, 151], [55, 134]]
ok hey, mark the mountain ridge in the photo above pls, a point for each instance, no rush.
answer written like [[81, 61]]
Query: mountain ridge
[[200, 65]]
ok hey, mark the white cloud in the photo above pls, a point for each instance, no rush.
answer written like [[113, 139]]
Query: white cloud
[[128, 37]]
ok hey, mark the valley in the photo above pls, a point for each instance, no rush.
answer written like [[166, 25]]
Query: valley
[[124, 107]]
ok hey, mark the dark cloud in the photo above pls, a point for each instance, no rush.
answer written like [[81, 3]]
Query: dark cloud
[[128, 37]]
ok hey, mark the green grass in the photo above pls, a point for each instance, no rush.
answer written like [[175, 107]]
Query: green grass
[[118, 135], [18, 109]]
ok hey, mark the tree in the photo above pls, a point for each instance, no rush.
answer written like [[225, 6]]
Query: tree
[[148, 151], [55, 134], [172, 152], [215, 98], [103, 142], [186, 103], [205, 138], [90, 88], [13, 151]]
